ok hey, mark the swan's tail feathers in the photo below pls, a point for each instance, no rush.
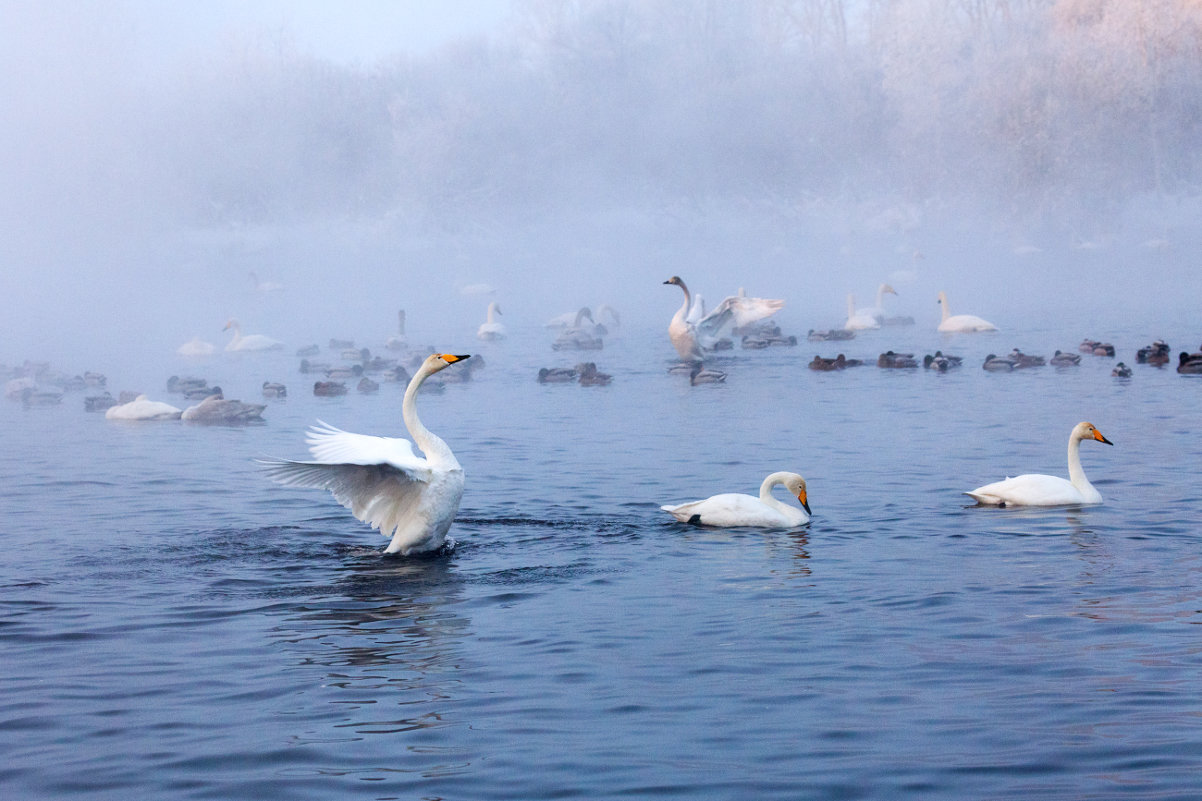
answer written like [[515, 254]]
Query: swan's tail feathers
[[985, 499]]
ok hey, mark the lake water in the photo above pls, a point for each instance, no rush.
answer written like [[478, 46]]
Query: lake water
[[173, 625]]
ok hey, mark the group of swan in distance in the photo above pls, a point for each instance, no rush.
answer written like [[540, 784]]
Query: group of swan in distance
[[381, 480], [490, 329], [249, 341]]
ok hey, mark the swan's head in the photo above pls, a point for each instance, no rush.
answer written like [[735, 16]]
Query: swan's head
[[232, 323], [441, 361], [493, 307], [797, 485], [941, 298], [888, 290], [675, 280], [1085, 430]]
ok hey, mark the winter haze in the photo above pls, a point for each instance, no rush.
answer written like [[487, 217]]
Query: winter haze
[[1031, 157]]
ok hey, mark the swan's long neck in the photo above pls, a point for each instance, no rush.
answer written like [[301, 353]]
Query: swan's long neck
[[766, 496], [436, 451], [401, 322], [237, 332], [1076, 473], [880, 296], [492, 312], [943, 304], [851, 306], [683, 312], [581, 315]]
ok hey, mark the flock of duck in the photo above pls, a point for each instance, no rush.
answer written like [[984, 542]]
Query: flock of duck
[[413, 499]]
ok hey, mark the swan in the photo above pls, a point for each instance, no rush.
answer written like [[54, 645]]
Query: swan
[[735, 509], [265, 286], [739, 311], [961, 323], [858, 321], [196, 347], [398, 341], [216, 409], [682, 333], [579, 336], [142, 408], [381, 480], [491, 329], [1034, 489], [250, 341], [877, 312]]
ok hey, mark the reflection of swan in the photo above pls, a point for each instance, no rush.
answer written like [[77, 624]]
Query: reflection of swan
[[142, 408], [857, 320], [196, 347], [381, 480], [250, 341], [1034, 489], [683, 333], [963, 323], [735, 509], [491, 329]]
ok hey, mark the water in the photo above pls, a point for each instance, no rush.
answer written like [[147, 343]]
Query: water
[[174, 626]]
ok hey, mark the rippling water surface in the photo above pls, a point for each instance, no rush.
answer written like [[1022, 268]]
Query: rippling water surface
[[175, 626]]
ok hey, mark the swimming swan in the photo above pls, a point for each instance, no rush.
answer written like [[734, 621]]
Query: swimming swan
[[250, 341], [735, 509], [380, 479], [877, 312], [683, 333], [491, 329], [961, 323], [859, 320], [1035, 489]]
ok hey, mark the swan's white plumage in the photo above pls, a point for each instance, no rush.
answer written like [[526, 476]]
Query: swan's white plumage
[[491, 329], [961, 323], [736, 509], [737, 311], [142, 408], [1035, 489], [249, 341], [681, 332], [859, 321], [877, 312], [382, 480], [196, 347]]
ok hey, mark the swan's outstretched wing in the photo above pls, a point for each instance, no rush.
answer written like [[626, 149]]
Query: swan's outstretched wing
[[739, 311], [380, 479]]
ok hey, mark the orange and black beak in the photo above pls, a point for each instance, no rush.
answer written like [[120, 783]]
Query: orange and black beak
[[801, 496], [451, 358], [1098, 436]]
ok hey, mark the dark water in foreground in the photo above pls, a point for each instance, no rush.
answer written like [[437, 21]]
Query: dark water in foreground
[[174, 626]]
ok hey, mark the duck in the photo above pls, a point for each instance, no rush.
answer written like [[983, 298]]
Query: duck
[[961, 323], [341, 344], [591, 377], [1121, 371], [395, 373], [700, 374], [200, 393], [490, 329], [329, 389], [196, 347], [901, 360], [1022, 360], [179, 386], [99, 403], [142, 408], [681, 332], [32, 396], [249, 342], [307, 351], [274, 389], [367, 386], [998, 364], [556, 375], [1035, 489], [1189, 363], [732, 509], [1062, 359], [215, 409], [1096, 348], [410, 499], [857, 321], [941, 361], [1157, 353], [307, 366]]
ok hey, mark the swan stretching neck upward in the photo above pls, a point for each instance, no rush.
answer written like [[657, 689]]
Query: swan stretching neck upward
[[735, 509], [491, 329], [381, 480], [859, 320], [1035, 489], [683, 333], [961, 323]]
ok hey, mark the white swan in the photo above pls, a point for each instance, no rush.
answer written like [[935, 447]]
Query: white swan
[[735, 509], [1034, 489], [878, 311], [580, 336], [491, 329], [683, 333], [250, 341], [142, 408], [196, 347], [858, 321], [739, 311], [961, 323], [398, 341], [381, 480]]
